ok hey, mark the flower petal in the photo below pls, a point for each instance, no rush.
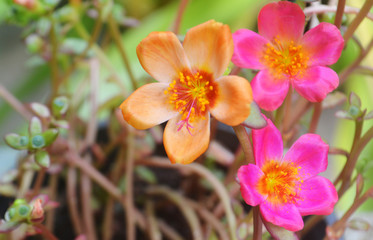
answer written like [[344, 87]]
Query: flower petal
[[181, 146], [283, 215], [323, 44], [249, 176], [248, 49], [162, 56], [209, 46], [267, 143], [283, 19], [310, 153], [317, 196], [234, 99], [269, 93], [147, 106], [316, 83]]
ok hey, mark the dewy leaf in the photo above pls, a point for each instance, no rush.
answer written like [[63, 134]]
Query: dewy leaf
[[42, 158], [40, 109], [50, 135], [355, 100], [279, 233], [35, 126], [16, 141], [333, 99], [255, 119]]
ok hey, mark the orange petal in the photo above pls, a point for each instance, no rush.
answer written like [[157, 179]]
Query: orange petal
[[162, 56], [209, 46], [181, 146], [147, 106], [234, 99]]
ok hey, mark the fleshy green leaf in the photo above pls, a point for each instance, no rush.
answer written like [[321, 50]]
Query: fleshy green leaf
[[50, 135], [280, 233], [343, 114], [369, 115], [333, 99], [6, 227], [146, 174], [40, 109], [16, 141], [359, 224], [35, 126], [42, 158], [255, 119]]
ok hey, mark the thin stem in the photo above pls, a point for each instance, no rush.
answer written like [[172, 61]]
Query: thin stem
[[114, 31], [15, 103], [357, 20], [131, 233], [257, 224], [179, 16], [203, 172], [243, 137], [183, 205], [45, 232], [301, 107], [339, 13], [315, 117], [325, 9], [53, 185], [72, 201], [287, 107], [53, 61], [39, 181], [107, 230], [154, 231]]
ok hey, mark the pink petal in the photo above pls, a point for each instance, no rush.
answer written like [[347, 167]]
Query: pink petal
[[268, 92], [249, 176], [248, 49], [323, 44], [317, 196], [147, 106], [283, 215], [233, 104], [267, 144], [310, 153], [283, 19], [316, 83], [162, 56]]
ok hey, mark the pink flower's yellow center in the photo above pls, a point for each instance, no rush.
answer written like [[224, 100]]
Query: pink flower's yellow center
[[281, 182], [285, 58], [192, 95]]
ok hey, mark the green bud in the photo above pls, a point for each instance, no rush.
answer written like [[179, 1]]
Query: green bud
[[34, 43], [59, 105], [42, 159], [354, 111], [37, 141], [19, 211]]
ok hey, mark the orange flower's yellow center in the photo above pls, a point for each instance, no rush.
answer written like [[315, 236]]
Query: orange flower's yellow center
[[285, 58], [281, 181], [192, 95]]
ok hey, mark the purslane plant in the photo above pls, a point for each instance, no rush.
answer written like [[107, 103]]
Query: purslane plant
[[190, 86], [287, 187], [286, 57]]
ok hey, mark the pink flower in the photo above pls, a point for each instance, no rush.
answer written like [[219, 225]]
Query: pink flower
[[287, 188], [286, 57]]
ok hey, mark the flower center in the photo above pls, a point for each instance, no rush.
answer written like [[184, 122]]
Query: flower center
[[280, 181], [192, 95], [285, 58]]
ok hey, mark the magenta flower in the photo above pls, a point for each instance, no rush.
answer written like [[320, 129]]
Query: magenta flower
[[287, 188], [286, 57]]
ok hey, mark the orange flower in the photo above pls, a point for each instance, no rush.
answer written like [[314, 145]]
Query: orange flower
[[190, 86]]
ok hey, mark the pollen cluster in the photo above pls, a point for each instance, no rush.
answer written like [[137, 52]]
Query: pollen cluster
[[281, 182], [285, 58], [192, 95]]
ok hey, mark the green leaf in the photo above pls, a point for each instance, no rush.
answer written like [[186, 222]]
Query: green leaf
[[355, 100], [369, 115], [40, 109], [255, 119], [42, 159], [73, 46], [16, 141], [343, 114], [50, 135], [280, 233], [146, 174], [333, 99], [35, 126]]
